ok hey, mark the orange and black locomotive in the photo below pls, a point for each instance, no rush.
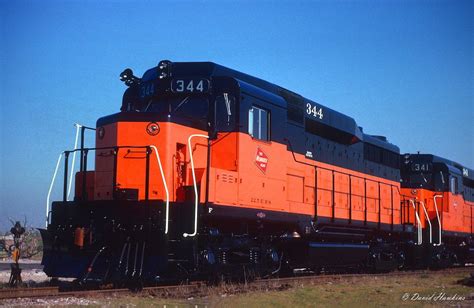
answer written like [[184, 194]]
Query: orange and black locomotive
[[206, 171]]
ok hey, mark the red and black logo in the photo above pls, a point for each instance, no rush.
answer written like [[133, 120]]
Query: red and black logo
[[261, 160], [152, 128]]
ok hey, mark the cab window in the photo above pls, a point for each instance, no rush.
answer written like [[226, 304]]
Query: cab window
[[259, 123], [439, 181], [453, 185], [225, 112]]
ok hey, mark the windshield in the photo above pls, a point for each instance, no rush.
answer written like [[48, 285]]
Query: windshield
[[189, 107], [422, 179]]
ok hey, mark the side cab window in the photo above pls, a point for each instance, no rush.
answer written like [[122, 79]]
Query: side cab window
[[453, 185], [259, 123]]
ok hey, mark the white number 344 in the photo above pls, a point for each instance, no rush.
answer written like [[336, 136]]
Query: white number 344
[[314, 111]]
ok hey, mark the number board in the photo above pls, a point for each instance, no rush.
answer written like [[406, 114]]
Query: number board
[[465, 172], [195, 85], [147, 89], [314, 111], [424, 167]]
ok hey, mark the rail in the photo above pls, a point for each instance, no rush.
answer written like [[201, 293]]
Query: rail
[[10, 296], [418, 224], [51, 188], [439, 220], [78, 127], [115, 149], [428, 220], [196, 196], [167, 210]]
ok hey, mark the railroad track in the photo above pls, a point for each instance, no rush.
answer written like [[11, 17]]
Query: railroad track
[[33, 292], [336, 277], [49, 292]]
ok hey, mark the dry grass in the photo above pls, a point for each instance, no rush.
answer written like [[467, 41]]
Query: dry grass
[[347, 292]]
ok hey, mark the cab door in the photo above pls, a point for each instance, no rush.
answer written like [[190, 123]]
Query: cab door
[[262, 167], [224, 150]]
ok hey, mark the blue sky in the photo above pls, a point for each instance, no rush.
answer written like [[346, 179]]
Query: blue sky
[[403, 69]]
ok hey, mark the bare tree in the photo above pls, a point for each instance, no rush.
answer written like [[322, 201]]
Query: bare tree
[[30, 241]]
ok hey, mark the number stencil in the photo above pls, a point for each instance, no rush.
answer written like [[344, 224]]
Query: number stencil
[[190, 85], [314, 111]]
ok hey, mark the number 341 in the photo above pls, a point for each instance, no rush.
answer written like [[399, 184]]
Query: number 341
[[314, 111]]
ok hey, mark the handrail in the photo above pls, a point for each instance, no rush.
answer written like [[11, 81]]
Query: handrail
[[420, 235], [78, 127], [109, 148], [166, 188], [428, 220], [51, 187], [194, 184], [439, 220], [83, 130]]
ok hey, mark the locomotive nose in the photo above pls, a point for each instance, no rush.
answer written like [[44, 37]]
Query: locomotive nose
[[127, 166]]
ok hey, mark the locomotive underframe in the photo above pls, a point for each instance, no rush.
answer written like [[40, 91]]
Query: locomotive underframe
[[124, 240]]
